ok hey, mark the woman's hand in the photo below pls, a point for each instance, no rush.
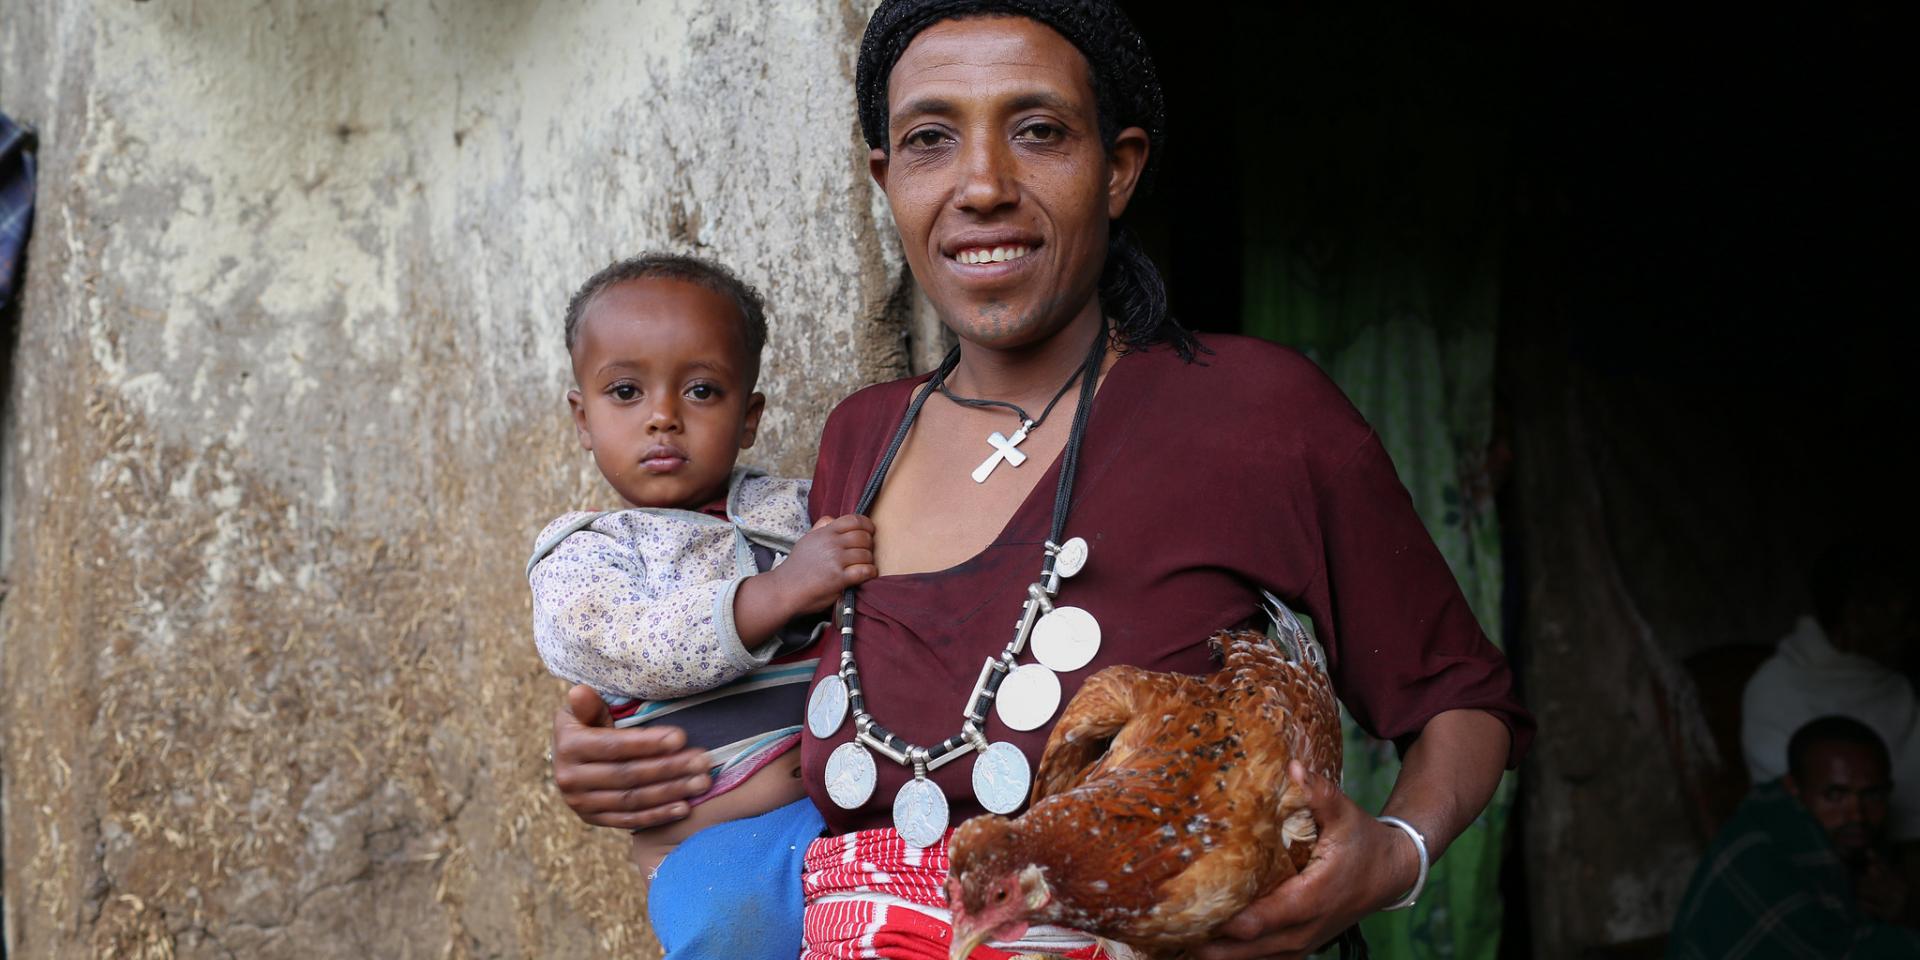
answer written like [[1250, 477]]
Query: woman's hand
[[1359, 865], [633, 778]]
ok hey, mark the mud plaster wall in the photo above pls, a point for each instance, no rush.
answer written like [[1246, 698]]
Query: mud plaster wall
[[287, 411]]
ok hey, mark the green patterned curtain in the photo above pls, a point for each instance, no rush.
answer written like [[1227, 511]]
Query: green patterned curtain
[[1381, 263]]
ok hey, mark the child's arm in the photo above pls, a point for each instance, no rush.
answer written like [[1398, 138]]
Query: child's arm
[[836, 554], [595, 623]]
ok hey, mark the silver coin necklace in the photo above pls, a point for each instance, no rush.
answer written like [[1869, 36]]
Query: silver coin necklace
[[1025, 696]]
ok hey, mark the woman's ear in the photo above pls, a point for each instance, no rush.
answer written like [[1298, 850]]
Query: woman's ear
[[1126, 161], [877, 166], [578, 406]]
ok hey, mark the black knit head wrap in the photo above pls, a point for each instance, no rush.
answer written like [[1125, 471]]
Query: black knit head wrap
[[1126, 92]]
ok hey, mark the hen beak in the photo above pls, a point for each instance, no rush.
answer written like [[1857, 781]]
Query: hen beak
[[965, 940]]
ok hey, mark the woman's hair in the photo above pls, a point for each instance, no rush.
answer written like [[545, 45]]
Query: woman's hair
[[688, 269], [1126, 90]]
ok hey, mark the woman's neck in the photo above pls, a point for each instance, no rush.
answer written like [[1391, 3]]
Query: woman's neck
[[1029, 371]]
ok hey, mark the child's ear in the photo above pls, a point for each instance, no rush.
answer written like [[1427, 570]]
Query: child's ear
[[578, 407], [877, 166], [750, 424]]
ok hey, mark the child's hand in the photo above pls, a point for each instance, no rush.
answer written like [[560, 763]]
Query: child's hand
[[836, 554]]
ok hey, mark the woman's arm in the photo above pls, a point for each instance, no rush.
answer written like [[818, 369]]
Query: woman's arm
[[1360, 864], [634, 778], [1410, 664]]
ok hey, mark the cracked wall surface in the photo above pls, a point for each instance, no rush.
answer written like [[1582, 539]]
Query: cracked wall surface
[[287, 411]]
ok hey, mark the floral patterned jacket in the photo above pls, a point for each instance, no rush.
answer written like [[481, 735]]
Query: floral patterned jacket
[[638, 603]]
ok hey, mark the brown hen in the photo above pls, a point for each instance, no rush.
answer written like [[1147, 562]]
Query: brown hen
[[1162, 805]]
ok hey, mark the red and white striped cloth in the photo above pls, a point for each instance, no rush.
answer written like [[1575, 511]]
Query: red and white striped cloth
[[871, 896]]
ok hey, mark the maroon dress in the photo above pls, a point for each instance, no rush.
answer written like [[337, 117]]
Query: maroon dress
[[1199, 483]]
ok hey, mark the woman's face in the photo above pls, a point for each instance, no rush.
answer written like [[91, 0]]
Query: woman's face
[[999, 184]]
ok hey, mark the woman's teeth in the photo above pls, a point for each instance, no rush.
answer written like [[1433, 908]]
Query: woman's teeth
[[992, 254]]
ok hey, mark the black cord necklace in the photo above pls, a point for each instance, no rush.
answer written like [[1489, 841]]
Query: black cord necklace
[[1024, 696], [1004, 447]]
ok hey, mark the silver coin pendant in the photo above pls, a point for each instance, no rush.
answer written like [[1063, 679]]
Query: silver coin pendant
[[1028, 697], [920, 813], [851, 775], [1066, 639], [1001, 778], [827, 707], [1072, 558]]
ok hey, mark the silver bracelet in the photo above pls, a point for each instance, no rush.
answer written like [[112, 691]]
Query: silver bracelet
[[1420, 844]]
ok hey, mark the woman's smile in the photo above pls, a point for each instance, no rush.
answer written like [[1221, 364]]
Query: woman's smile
[[993, 255], [992, 267]]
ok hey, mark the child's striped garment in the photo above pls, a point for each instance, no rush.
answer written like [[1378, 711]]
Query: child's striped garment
[[739, 724]]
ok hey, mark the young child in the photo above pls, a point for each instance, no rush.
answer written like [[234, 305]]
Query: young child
[[677, 610]]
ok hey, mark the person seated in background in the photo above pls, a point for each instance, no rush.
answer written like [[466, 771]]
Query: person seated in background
[[1845, 660], [1802, 868]]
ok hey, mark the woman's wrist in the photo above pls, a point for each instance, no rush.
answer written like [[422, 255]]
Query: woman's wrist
[[1412, 862]]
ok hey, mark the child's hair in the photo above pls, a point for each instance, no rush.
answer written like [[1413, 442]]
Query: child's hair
[[695, 270]]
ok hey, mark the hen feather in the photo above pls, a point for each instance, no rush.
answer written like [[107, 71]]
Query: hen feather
[[1162, 804]]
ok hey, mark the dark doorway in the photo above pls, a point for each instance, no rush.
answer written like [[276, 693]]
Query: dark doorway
[[1703, 211]]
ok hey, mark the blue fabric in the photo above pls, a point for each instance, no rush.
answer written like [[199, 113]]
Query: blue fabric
[[733, 889], [16, 201]]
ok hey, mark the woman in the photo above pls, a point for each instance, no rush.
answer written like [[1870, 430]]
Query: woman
[[1009, 137]]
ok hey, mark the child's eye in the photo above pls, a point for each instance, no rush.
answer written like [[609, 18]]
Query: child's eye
[[624, 392], [703, 391]]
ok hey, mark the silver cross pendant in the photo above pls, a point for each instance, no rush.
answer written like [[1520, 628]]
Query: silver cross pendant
[[1004, 448]]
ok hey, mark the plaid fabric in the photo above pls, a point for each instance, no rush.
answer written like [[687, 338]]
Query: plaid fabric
[[1771, 885], [16, 202], [870, 895]]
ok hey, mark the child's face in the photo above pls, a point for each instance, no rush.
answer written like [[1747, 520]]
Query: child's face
[[662, 401]]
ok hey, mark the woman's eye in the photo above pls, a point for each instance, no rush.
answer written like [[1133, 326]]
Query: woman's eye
[[1044, 132], [624, 391], [924, 139]]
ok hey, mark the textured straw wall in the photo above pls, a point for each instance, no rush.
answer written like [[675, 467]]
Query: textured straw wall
[[286, 411]]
